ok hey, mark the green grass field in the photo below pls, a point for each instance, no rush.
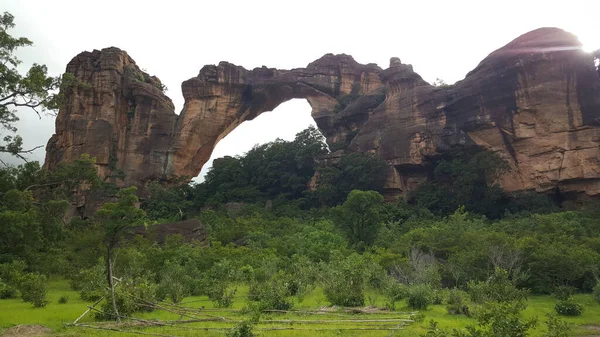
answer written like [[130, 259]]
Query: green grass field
[[54, 315]]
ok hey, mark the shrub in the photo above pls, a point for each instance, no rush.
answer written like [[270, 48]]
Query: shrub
[[63, 300], [563, 293], [568, 308], [596, 292], [90, 282], [130, 296], [7, 291], [395, 292], [173, 282], [345, 283], [420, 297], [557, 327], [243, 329], [221, 295], [457, 302], [33, 289], [434, 331], [502, 319], [498, 288], [273, 293]]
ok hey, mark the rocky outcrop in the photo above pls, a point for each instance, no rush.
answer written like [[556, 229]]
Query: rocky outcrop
[[535, 102], [117, 114]]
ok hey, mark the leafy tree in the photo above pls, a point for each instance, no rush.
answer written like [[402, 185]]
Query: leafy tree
[[358, 217], [166, 203], [464, 176], [35, 90], [355, 171], [115, 218]]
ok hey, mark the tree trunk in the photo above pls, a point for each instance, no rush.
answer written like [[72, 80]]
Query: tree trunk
[[111, 283]]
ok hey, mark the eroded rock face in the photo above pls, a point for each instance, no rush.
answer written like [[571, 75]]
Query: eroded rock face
[[118, 114], [535, 101]]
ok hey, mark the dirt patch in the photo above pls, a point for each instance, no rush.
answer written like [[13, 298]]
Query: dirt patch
[[26, 331]]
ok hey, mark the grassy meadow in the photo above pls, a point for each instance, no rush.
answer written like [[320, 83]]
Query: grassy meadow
[[55, 315]]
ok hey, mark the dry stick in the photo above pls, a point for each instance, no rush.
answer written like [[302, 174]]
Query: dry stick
[[175, 309], [311, 321], [88, 310], [120, 330], [326, 329], [156, 306]]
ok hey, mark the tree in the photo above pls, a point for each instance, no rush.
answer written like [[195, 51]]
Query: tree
[[35, 90], [115, 218], [358, 217]]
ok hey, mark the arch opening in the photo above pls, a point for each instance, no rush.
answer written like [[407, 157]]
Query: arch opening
[[283, 122]]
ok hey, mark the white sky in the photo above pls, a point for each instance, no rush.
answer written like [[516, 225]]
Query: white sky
[[174, 39]]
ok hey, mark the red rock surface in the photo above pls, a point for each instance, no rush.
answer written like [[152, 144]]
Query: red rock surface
[[535, 102]]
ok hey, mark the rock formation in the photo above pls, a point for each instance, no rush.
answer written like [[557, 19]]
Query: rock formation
[[535, 101]]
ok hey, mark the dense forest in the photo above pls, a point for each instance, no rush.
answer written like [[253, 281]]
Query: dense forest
[[287, 218]]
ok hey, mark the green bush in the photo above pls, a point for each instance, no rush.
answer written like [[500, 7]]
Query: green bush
[[395, 292], [221, 295], [7, 291], [557, 327], [273, 294], [568, 308], [563, 293], [596, 292], [498, 288], [130, 296], [63, 300], [420, 297], [33, 289], [173, 283], [242, 329], [90, 282], [458, 302]]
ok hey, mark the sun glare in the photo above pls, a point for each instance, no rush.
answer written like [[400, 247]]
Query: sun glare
[[588, 43]]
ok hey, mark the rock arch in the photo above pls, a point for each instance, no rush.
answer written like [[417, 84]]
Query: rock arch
[[535, 102]]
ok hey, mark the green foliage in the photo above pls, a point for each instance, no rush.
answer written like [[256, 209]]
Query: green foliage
[[563, 293], [34, 90], [501, 319], [242, 329], [464, 176], [274, 293], [458, 302], [354, 171], [568, 307], [596, 292], [63, 300], [498, 288], [420, 297], [166, 203], [346, 278], [557, 327], [115, 217], [394, 293], [173, 282], [358, 217], [7, 291], [90, 282], [221, 277], [131, 296], [33, 289], [279, 169]]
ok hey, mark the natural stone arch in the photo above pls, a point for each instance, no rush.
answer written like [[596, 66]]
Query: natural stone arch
[[535, 102], [222, 97]]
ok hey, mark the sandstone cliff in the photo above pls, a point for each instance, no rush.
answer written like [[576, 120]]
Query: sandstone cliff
[[535, 101]]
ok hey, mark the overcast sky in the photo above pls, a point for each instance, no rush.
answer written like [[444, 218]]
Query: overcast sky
[[174, 39]]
